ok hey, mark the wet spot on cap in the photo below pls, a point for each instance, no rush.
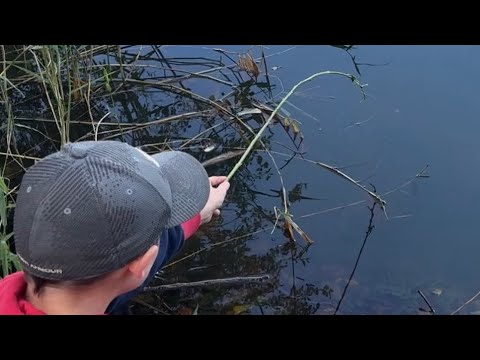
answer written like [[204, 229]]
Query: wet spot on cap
[[29, 189], [67, 211], [129, 192]]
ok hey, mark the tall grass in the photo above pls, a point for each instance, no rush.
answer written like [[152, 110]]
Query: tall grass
[[8, 260], [50, 65]]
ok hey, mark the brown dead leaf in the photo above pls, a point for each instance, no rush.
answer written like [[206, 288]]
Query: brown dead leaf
[[76, 95], [295, 127], [287, 228], [286, 123], [248, 64], [301, 232], [76, 85], [183, 310]]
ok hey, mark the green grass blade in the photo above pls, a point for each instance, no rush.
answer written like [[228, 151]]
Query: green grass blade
[[4, 251], [15, 261], [3, 206]]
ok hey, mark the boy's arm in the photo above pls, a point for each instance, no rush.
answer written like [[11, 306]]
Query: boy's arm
[[191, 226], [211, 209], [218, 190]]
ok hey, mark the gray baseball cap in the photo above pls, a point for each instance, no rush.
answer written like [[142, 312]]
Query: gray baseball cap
[[94, 206]]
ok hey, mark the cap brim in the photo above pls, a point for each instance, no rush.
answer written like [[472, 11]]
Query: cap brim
[[189, 184]]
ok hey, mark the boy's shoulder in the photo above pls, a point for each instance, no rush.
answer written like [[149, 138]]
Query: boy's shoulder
[[15, 279], [12, 296]]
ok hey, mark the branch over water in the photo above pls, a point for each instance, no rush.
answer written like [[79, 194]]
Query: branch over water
[[240, 280]]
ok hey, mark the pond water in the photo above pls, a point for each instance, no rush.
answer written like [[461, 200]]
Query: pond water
[[421, 108]]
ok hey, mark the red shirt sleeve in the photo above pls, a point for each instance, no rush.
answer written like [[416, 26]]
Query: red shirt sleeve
[[189, 227]]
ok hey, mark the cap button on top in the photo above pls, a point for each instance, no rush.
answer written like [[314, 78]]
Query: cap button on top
[[78, 152]]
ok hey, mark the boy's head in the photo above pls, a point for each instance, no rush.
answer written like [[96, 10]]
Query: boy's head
[[95, 207]]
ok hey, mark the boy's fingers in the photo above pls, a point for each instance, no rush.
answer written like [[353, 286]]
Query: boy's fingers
[[224, 186], [215, 180]]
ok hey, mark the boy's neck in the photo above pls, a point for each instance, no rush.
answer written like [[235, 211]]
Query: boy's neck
[[65, 300]]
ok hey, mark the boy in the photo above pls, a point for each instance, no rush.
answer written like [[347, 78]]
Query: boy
[[95, 221]]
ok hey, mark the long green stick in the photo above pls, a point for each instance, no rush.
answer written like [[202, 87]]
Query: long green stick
[[260, 132]]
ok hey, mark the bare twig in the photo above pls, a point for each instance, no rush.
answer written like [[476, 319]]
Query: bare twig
[[401, 216], [169, 80], [367, 235], [303, 112], [240, 280], [468, 302], [222, 157], [122, 72], [432, 311], [124, 124], [20, 156], [151, 307], [335, 170], [212, 103], [213, 245], [199, 135], [234, 64], [138, 127], [35, 130], [301, 153], [359, 123], [98, 125], [340, 207], [375, 197], [421, 174]]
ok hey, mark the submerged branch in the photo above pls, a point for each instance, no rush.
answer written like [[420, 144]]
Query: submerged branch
[[468, 302], [212, 246], [432, 310], [239, 280], [370, 228], [222, 157], [375, 197]]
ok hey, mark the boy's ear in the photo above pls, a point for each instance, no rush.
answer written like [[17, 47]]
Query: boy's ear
[[140, 267]]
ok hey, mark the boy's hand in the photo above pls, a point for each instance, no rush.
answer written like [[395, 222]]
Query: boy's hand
[[216, 198]]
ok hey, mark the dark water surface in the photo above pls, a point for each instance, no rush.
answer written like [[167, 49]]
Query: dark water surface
[[423, 109]]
